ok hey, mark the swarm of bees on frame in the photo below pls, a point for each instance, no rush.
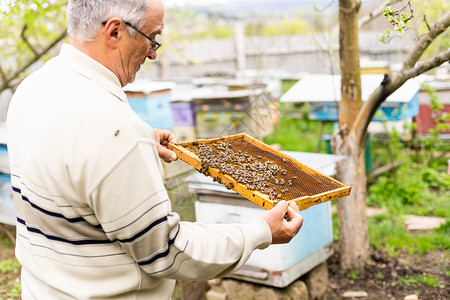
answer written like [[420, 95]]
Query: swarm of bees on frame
[[245, 169]]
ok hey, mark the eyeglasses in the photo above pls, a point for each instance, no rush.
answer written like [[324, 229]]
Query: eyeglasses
[[155, 44]]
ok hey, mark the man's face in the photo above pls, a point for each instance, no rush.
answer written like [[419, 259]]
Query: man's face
[[136, 49]]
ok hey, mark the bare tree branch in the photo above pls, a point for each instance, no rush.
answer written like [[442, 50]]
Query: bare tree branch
[[375, 13], [24, 38], [426, 22], [425, 66], [6, 83], [2, 73], [409, 69], [425, 40]]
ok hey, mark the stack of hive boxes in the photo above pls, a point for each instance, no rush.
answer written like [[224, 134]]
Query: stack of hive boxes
[[183, 120], [253, 111]]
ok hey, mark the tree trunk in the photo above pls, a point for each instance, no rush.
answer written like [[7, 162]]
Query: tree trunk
[[353, 231], [352, 219]]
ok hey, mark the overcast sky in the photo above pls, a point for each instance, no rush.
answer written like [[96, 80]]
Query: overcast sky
[[169, 3]]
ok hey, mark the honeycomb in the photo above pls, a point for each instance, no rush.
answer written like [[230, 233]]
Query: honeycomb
[[261, 170]]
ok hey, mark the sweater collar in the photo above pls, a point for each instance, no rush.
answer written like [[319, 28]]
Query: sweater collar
[[92, 69]]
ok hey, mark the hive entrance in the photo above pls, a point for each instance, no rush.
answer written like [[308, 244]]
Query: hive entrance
[[260, 170]]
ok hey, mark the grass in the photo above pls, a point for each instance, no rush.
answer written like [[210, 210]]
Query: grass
[[5, 242], [295, 134], [9, 265], [413, 189], [10, 287], [15, 290], [416, 281], [352, 274], [389, 232], [379, 276]]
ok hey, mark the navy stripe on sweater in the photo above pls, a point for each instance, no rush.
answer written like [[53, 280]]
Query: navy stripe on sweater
[[50, 213], [64, 240], [162, 254], [92, 241]]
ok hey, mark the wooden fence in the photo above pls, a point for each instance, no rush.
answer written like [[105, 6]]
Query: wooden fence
[[296, 54]]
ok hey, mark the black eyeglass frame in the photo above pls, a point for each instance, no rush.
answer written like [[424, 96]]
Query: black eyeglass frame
[[155, 44]]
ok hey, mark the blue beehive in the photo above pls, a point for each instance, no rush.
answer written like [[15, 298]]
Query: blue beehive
[[389, 111], [323, 93], [151, 101], [154, 110], [7, 213]]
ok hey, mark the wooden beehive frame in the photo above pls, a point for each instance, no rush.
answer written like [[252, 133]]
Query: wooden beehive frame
[[255, 196]]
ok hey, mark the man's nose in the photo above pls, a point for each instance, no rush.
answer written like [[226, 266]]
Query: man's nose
[[152, 56]]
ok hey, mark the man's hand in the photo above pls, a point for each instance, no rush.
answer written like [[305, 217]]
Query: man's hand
[[284, 221], [163, 138]]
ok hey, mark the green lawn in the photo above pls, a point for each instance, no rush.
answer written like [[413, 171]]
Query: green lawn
[[295, 134]]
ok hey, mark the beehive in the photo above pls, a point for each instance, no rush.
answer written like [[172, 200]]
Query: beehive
[[258, 172]]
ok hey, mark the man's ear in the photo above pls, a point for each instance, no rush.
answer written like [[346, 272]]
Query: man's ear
[[112, 31]]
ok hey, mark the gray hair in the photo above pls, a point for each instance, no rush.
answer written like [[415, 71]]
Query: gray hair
[[85, 17]]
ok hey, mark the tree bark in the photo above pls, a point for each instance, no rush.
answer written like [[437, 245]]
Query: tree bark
[[352, 221]]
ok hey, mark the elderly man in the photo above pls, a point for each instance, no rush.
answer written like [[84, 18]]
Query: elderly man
[[93, 216]]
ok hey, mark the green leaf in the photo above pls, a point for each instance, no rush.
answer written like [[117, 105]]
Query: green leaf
[[406, 17]]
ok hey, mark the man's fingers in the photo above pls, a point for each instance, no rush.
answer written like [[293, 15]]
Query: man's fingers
[[162, 138], [166, 154], [294, 206], [284, 221], [291, 213], [295, 220], [281, 208]]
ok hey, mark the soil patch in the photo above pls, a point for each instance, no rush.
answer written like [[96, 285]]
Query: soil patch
[[387, 277]]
